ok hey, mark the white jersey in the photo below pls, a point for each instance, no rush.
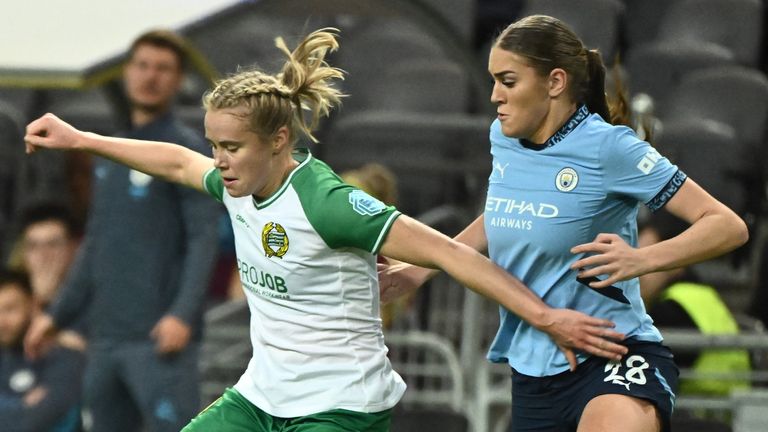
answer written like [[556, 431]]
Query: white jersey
[[306, 262]]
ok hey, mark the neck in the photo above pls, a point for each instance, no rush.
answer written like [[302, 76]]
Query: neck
[[284, 165], [558, 114], [141, 116]]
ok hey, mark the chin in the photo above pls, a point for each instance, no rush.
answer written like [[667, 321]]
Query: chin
[[236, 193]]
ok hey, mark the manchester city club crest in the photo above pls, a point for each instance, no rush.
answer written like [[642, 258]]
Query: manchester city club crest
[[274, 239], [566, 180]]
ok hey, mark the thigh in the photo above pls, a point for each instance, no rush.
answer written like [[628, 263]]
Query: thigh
[[166, 388], [231, 413], [108, 403], [340, 420], [604, 412]]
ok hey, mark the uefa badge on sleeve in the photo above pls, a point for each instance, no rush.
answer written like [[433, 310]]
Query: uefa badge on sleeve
[[365, 204]]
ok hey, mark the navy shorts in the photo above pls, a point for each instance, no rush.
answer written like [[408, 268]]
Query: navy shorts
[[555, 403]]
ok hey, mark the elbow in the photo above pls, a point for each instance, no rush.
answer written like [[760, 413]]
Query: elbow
[[741, 232]]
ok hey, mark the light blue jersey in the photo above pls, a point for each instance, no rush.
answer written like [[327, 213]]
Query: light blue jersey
[[589, 178]]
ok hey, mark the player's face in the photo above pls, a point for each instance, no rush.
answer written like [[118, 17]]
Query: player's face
[[15, 313], [520, 94], [152, 77], [246, 163]]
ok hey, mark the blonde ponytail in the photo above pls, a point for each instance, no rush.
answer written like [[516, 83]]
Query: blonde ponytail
[[274, 101]]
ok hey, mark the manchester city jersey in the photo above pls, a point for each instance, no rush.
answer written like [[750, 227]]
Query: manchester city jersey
[[306, 261], [589, 178]]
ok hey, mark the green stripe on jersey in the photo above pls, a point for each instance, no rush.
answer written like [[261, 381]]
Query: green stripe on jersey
[[213, 184], [342, 215]]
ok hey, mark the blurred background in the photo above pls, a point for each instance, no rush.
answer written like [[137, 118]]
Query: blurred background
[[418, 107]]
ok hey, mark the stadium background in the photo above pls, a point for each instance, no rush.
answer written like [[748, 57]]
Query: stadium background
[[696, 73]]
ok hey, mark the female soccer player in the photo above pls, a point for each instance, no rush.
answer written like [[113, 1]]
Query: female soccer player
[[561, 210], [305, 246]]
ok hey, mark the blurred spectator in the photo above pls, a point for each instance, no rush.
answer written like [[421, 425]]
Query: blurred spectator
[[144, 266], [45, 250], [41, 395], [48, 241], [677, 299]]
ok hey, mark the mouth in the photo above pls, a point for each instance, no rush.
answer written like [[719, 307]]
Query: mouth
[[502, 116], [228, 181]]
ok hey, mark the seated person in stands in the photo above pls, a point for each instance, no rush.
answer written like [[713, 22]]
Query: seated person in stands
[[49, 237], [677, 299], [41, 395]]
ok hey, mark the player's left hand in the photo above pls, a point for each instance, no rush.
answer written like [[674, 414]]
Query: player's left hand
[[171, 335], [611, 256]]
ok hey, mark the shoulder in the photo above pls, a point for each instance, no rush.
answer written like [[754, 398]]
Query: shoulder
[[615, 141]]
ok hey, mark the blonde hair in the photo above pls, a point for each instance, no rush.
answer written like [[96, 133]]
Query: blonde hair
[[374, 179], [274, 101]]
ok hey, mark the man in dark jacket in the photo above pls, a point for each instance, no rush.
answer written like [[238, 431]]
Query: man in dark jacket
[[144, 266]]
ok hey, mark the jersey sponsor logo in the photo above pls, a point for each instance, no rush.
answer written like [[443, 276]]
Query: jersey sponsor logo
[[649, 161], [566, 180], [634, 373], [274, 239], [502, 222], [254, 279], [365, 204], [511, 206]]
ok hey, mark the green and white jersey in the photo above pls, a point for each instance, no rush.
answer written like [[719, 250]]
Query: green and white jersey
[[306, 261]]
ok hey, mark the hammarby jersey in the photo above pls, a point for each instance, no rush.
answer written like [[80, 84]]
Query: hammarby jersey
[[589, 178], [306, 261]]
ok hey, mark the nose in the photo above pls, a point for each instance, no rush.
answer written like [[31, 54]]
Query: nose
[[218, 159], [497, 96]]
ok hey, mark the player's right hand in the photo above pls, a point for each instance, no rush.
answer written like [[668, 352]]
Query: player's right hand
[[39, 335], [50, 131], [397, 279]]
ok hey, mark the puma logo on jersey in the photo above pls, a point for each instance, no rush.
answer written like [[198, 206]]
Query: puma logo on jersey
[[649, 161]]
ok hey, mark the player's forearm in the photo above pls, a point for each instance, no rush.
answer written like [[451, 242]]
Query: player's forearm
[[486, 278], [709, 237], [159, 159], [474, 235]]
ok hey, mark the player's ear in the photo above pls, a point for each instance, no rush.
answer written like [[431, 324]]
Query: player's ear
[[557, 82], [280, 139]]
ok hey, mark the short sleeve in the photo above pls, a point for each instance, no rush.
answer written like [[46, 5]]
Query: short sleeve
[[213, 184], [632, 167], [345, 216]]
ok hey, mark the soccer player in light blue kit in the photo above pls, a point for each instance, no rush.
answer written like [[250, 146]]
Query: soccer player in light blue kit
[[561, 215]]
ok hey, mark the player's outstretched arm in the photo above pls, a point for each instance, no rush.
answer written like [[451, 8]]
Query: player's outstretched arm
[[170, 161], [413, 242], [398, 279]]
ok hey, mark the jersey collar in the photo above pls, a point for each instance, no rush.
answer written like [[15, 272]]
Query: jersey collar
[[301, 155], [576, 118]]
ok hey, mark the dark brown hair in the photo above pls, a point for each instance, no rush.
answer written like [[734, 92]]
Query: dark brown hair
[[17, 279], [547, 43], [163, 39]]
